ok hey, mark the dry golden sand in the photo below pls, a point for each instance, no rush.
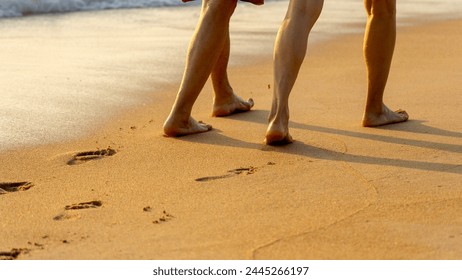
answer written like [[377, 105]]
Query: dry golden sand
[[339, 192]]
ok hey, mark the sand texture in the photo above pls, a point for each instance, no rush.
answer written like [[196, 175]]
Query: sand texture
[[340, 191]]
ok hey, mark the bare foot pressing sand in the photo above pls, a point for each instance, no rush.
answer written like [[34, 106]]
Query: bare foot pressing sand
[[230, 105], [275, 138], [277, 134], [386, 116], [175, 127]]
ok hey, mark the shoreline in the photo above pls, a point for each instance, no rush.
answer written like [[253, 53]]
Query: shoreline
[[339, 192]]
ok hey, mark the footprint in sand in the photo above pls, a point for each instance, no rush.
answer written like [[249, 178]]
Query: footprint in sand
[[66, 216], [14, 187], [91, 155], [164, 218], [12, 254], [231, 173], [77, 206], [84, 205]]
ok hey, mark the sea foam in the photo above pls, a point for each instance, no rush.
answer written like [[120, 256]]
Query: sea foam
[[17, 8]]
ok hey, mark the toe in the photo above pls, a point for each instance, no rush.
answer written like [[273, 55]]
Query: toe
[[402, 113], [245, 105], [250, 103], [201, 126]]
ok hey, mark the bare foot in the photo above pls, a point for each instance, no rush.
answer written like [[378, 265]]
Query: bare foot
[[387, 116], [175, 128], [277, 134], [276, 139], [232, 105]]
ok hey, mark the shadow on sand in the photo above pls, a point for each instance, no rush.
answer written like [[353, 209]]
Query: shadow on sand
[[300, 148]]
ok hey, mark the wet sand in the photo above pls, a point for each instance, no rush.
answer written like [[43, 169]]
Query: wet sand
[[340, 191]]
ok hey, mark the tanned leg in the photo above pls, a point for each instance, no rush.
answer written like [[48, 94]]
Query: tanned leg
[[379, 44], [226, 102], [289, 53], [204, 51]]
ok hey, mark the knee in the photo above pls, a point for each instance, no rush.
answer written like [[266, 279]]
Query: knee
[[382, 8], [302, 9]]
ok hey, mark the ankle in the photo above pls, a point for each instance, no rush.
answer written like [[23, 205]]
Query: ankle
[[374, 109]]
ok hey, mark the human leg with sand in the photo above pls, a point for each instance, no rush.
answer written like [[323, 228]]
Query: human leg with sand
[[290, 50], [379, 44], [208, 54]]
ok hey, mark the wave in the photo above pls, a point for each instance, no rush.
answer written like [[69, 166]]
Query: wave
[[17, 8]]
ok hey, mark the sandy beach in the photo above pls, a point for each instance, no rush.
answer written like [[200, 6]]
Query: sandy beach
[[340, 191]]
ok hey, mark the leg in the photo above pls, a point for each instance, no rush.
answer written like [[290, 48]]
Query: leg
[[255, 2], [226, 102], [205, 48], [379, 44], [289, 52]]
